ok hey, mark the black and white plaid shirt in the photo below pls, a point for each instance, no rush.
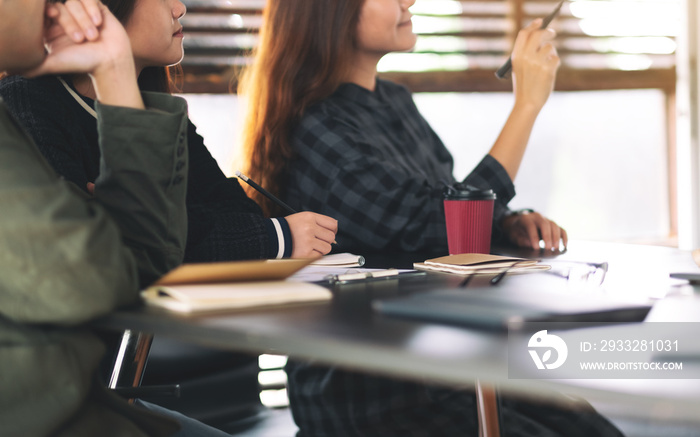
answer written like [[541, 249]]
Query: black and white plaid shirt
[[330, 402], [371, 161]]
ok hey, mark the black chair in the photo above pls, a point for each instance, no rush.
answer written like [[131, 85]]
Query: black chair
[[219, 388]]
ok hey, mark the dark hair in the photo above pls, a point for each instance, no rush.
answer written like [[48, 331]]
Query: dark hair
[[303, 56], [160, 79]]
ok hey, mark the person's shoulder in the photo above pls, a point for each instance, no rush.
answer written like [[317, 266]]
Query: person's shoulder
[[320, 113], [12, 82], [326, 123], [12, 85], [393, 93], [392, 87], [336, 109], [30, 97], [326, 131]]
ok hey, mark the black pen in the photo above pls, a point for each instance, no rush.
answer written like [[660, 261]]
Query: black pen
[[266, 193], [504, 71]]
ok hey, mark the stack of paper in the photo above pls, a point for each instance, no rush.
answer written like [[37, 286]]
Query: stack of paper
[[193, 288], [478, 263]]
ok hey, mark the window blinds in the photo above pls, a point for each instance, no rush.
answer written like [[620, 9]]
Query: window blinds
[[603, 44]]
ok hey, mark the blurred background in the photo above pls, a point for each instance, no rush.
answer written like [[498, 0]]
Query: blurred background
[[603, 160]]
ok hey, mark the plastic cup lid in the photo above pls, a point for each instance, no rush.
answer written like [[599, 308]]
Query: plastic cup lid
[[468, 192]]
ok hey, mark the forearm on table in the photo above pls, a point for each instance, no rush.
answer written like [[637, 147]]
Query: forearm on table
[[220, 233]]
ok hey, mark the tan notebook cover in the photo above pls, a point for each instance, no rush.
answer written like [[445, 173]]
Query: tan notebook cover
[[471, 263], [234, 271], [474, 259]]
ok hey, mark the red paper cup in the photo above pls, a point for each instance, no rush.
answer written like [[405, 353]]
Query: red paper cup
[[468, 218]]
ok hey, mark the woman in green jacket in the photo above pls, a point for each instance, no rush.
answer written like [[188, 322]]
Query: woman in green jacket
[[66, 258]]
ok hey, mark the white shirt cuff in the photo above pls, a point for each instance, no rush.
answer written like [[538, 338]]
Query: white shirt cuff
[[280, 238]]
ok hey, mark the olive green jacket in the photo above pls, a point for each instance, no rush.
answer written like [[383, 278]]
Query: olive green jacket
[[66, 258]]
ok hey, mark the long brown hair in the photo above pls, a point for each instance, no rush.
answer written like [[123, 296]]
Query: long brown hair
[[303, 56]]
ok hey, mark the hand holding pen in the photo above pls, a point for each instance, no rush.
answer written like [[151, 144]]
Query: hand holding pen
[[504, 72], [535, 65], [312, 234]]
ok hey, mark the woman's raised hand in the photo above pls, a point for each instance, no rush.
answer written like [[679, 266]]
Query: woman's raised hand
[[535, 65]]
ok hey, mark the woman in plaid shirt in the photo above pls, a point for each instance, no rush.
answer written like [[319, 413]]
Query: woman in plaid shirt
[[328, 136]]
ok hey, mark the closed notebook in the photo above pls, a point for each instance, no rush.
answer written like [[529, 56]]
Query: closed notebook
[[193, 298], [234, 271], [220, 286], [531, 299], [470, 263]]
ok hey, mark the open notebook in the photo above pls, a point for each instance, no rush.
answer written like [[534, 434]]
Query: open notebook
[[222, 286]]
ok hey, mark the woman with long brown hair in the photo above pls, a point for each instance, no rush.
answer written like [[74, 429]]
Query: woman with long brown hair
[[288, 76], [325, 134], [223, 223]]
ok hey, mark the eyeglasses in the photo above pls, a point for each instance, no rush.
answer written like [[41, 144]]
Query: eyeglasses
[[580, 272], [575, 272]]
